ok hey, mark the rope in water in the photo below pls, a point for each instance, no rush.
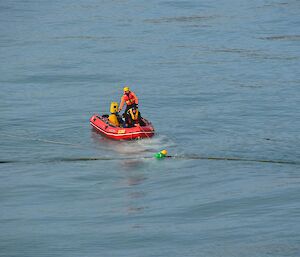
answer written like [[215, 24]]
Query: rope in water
[[184, 157], [175, 157]]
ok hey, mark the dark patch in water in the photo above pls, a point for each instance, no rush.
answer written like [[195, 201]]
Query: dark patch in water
[[253, 54], [179, 19], [282, 37], [64, 78], [84, 37], [185, 4], [8, 162], [273, 5]]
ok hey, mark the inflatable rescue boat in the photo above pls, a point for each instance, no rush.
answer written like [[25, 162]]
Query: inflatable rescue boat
[[102, 125], [109, 126]]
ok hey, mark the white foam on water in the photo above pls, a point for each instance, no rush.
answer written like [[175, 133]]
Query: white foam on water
[[140, 147]]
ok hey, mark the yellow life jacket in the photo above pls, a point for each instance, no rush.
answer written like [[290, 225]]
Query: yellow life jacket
[[134, 116]]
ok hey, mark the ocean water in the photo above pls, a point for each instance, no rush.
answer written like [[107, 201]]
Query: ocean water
[[220, 82]]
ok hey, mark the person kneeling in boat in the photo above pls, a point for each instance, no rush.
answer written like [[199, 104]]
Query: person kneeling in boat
[[133, 118]]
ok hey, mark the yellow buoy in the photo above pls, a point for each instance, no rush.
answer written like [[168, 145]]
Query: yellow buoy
[[164, 152]]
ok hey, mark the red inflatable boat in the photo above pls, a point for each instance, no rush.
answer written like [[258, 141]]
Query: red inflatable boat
[[101, 124]]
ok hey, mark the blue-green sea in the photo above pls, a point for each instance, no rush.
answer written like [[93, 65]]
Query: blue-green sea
[[220, 82]]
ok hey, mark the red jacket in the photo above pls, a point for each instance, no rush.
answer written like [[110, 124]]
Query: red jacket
[[129, 99]]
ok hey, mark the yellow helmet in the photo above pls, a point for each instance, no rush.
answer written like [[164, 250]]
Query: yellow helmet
[[164, 152], [126, 89]]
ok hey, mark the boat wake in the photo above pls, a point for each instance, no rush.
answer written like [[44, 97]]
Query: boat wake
[[135, 147]]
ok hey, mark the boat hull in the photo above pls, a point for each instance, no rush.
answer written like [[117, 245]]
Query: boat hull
[[101, 124]]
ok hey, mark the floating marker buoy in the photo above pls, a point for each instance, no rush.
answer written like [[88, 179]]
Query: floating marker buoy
[[162, 154]]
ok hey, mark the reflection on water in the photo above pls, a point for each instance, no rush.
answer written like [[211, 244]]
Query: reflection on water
[[135, 164], [135, 197], [134, 181]]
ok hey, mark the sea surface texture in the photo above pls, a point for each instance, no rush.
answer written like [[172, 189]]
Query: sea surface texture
[[219, 80]]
